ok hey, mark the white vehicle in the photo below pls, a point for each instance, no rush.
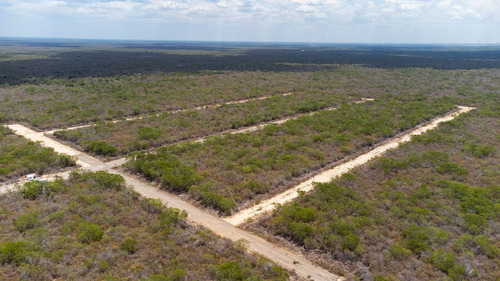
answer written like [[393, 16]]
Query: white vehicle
[[34, 177]]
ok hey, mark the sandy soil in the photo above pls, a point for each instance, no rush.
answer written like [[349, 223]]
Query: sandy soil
[[327, 176]]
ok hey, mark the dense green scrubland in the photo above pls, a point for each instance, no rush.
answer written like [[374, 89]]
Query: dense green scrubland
[[429, 210], [91, 227], [426, 211], [65, 102], [58, 103], [19, 157], [228, 170], [167, 128]]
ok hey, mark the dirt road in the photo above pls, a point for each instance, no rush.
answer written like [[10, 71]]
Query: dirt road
[[226, 227], [171, 111], [306, 186], [275, 122], [121, 161], [82, 159], [285, 258]]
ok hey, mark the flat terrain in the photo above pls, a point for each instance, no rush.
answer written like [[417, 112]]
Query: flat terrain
[[304, 140], [253, 243], [168, 128], [228, 171], [90, 227], [338, 170], [432, 203]]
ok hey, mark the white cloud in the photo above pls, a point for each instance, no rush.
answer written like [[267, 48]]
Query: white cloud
[[314, 14], [273, 10]]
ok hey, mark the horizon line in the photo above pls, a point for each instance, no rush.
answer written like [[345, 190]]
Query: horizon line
[[251, 42]]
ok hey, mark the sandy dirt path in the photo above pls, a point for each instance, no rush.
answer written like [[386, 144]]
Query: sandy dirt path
[[255, 244], [275, 122], [327, 176], [121, 161], [82, 159], [171, 111]]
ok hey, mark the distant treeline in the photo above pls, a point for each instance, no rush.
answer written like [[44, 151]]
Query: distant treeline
[[96, 59]]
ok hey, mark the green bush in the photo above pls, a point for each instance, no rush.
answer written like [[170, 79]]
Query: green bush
[[105, 180], [294, 212], [391, 165], [168, 218], [350, 242], [89, 232], [152, 206], [300, 231], [446, 262], [3, 117], [443, 261], [27, 221], [257, 187], [100, 148], [231, 271], [218, 202], [148, 133], [178, 274], [398, 252], [128, 245], [179, 178], [15, 252], [34, 189], [475, 223], [103, 266], [486, 248], [451, 168], [480, 151], [417, 239]]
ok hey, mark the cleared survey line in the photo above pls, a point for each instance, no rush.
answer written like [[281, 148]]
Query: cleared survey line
[[274, 122], [306, 186], [51, 132], [121, 161]]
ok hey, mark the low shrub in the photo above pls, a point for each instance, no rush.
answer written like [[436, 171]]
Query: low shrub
[[232, 271], [100, 148], [16, 252], [27, 221], [89, 232], [128, 245], [105, 180]]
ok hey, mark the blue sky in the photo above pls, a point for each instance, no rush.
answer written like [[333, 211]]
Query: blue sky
[[337, 21]]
